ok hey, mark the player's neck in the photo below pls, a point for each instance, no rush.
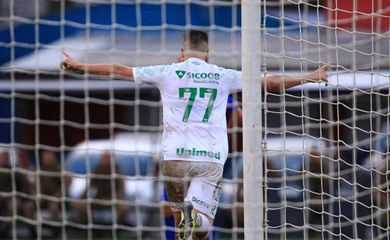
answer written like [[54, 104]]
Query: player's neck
[[185, 58]]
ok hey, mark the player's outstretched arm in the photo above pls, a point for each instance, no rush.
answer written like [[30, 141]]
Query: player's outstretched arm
[[116, 70], [278, 82]]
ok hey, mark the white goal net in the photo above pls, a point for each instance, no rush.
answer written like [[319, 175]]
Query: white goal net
[[80, 154]]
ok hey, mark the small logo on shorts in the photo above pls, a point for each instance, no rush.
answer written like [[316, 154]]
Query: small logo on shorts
[[200, 202]]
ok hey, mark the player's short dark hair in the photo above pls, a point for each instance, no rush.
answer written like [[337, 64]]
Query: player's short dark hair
[[196, 40]]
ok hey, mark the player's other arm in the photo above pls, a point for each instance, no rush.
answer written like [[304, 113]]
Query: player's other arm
[[116, 70], [278, 82]]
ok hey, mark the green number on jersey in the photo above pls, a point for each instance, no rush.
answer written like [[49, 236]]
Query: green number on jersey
[[210, 106], [192, 92], [202, 92]]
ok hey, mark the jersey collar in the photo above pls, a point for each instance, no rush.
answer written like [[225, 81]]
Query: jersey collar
[[195, 59]]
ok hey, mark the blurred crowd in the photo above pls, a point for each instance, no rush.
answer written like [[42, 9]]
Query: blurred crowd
[[36, 190], [41, 191]]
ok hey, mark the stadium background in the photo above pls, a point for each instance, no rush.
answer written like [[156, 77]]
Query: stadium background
[[30, 53]]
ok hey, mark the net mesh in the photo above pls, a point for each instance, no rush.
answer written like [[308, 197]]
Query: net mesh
[[79, 154]]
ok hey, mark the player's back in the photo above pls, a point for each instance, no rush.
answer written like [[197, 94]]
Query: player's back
[[194, 95], [194, 110], [197, 91]]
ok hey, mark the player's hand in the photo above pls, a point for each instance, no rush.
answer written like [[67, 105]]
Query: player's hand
[[319, 75], [69, 63]]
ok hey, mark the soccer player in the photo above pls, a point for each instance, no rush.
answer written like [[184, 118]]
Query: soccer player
[[194, 145]]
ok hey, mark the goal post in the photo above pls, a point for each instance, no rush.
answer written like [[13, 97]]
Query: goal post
[[252, 123]]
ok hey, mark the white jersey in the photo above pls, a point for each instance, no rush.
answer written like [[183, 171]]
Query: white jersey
[[194, 96]]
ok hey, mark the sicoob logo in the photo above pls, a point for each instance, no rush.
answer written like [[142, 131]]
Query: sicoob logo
[[180, 74], [203, 75]]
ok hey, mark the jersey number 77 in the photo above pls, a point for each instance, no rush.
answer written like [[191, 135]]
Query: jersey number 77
[[193, 93]]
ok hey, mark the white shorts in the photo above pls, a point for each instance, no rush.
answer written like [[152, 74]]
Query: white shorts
[[195, 182]]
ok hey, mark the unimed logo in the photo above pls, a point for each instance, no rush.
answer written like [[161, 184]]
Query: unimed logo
[[203, 75], [197, 152]]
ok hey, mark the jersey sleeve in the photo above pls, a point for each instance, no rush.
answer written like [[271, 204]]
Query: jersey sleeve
[[235, 80], [152, 75]]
